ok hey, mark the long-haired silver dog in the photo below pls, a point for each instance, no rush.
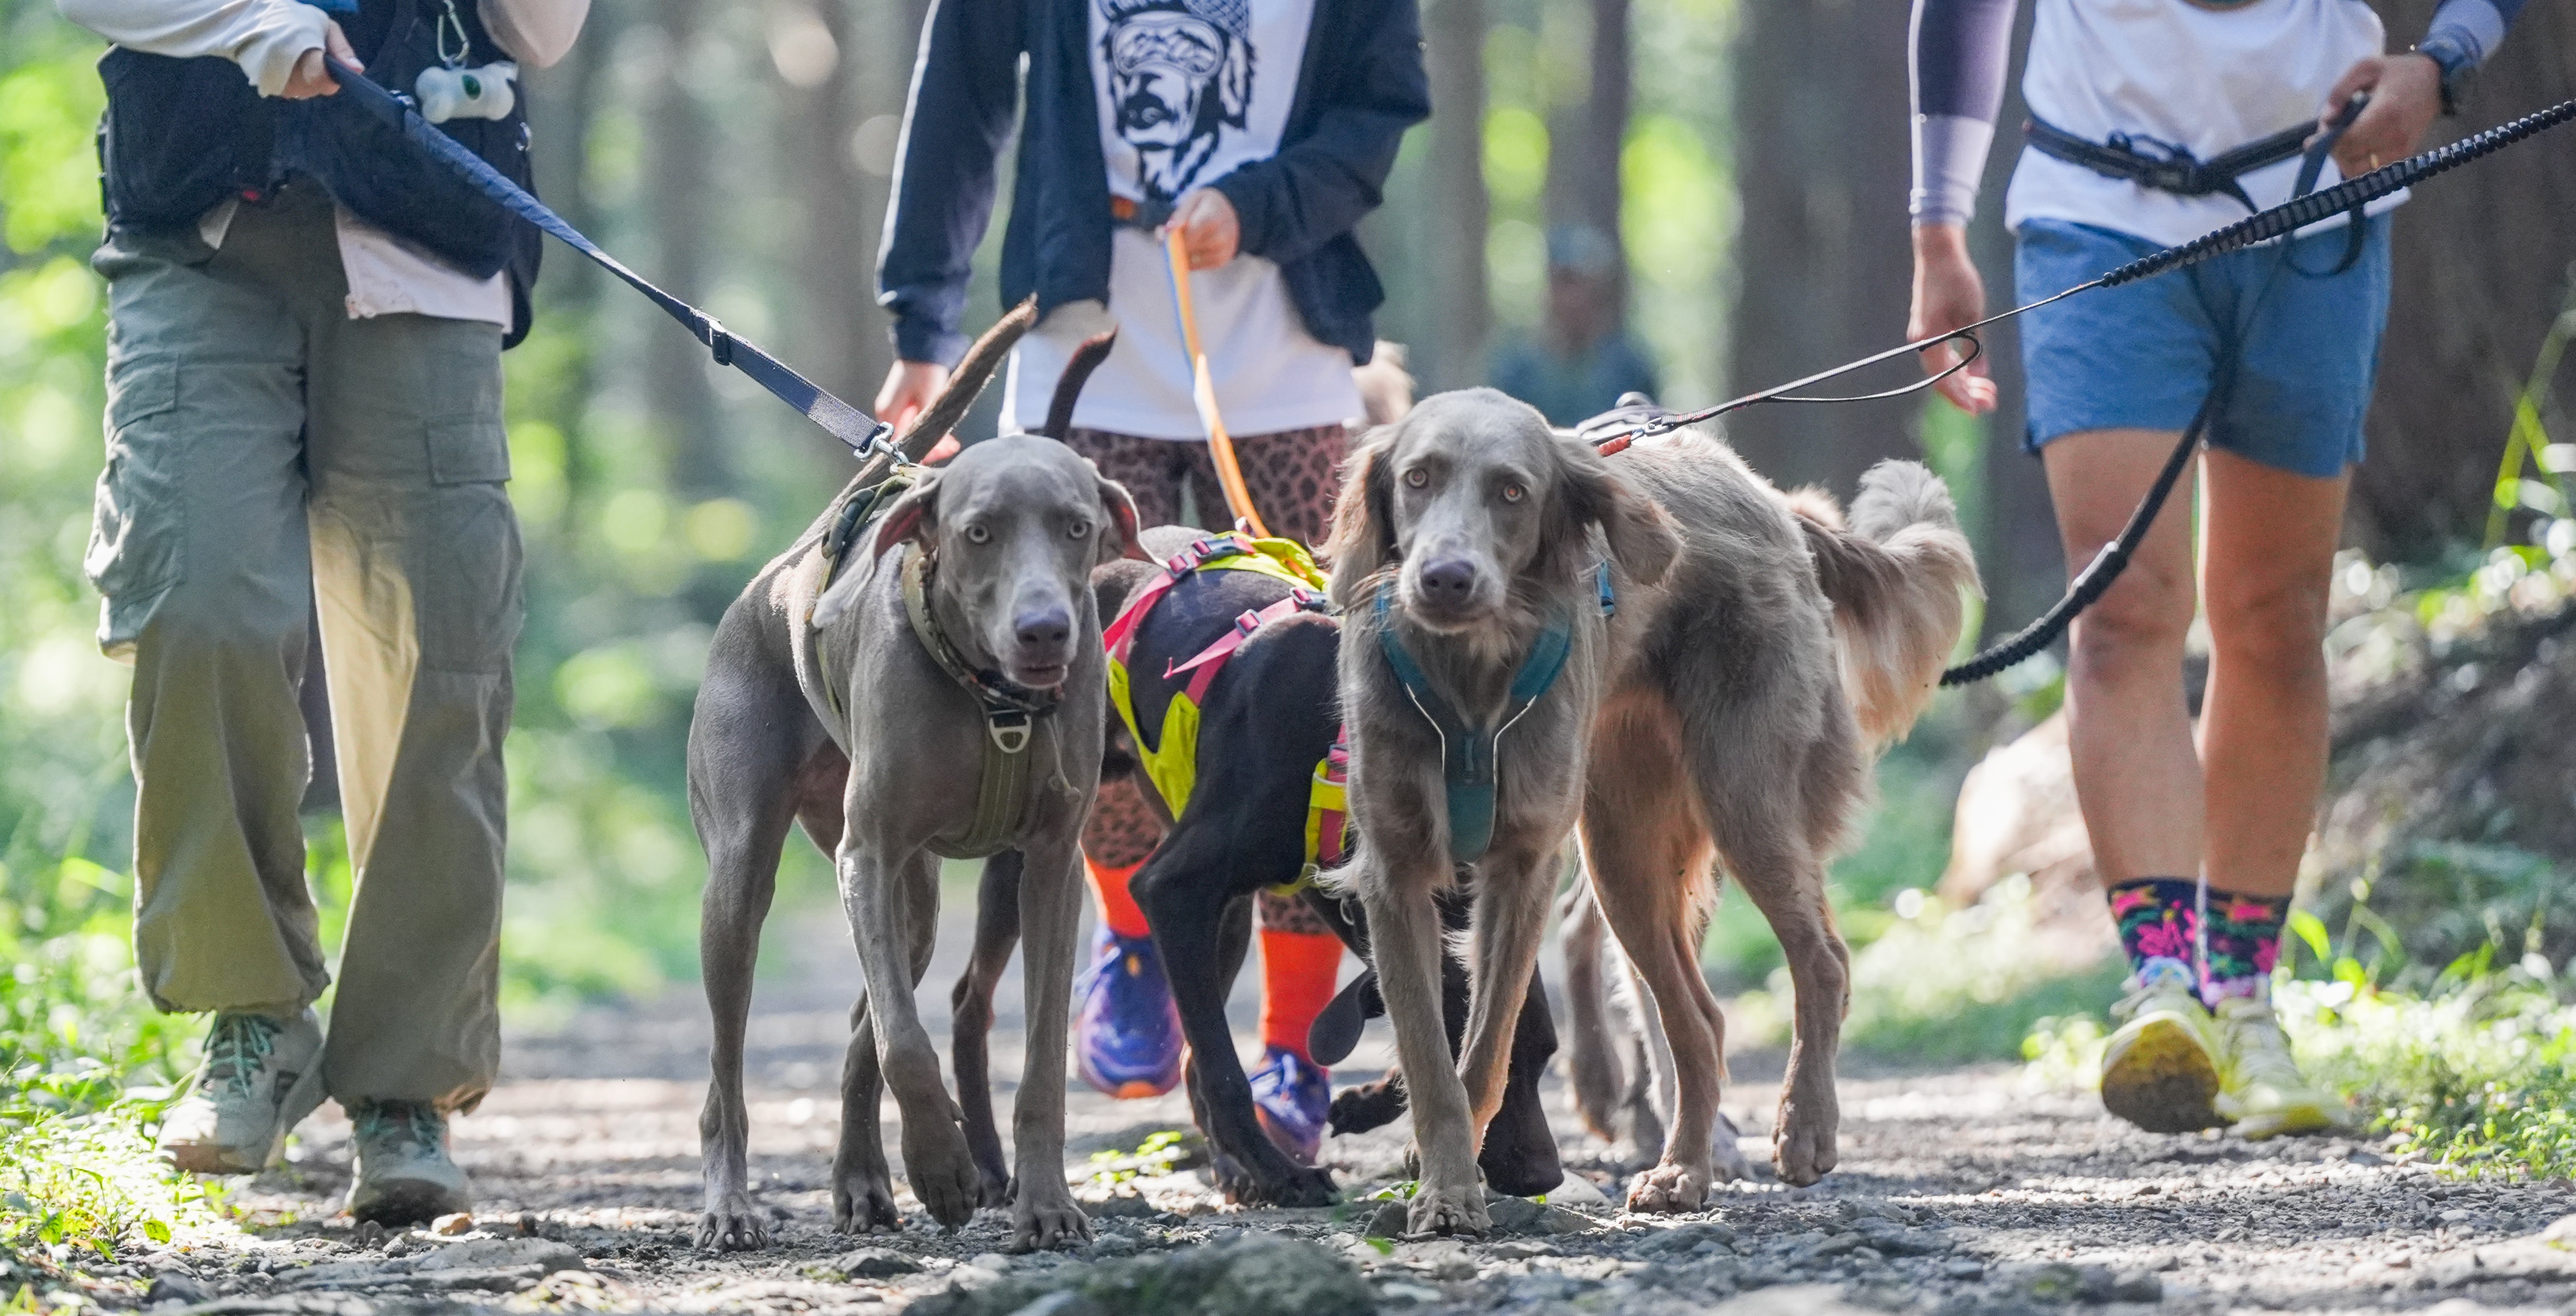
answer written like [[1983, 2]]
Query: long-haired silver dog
[[1758, 649]]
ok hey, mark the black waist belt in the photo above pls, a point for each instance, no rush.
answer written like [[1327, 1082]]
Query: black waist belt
[[2165, 166]]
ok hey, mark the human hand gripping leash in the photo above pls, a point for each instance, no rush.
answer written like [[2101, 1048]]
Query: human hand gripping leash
[[1229, 473], [2278, 222]]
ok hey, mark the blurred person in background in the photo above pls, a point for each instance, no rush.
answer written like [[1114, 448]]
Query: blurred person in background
[[305, 324], [2199, 843], [1262, 130], [1584, 360]]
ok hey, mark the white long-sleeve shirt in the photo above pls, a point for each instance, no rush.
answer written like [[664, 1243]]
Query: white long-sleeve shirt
[[386, 275]]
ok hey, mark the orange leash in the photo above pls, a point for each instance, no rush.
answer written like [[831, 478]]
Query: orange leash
[[1229, 474]]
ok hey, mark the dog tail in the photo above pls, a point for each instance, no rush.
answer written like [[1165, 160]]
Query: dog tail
[[1894, 572], [1068, 386], [967, 381]]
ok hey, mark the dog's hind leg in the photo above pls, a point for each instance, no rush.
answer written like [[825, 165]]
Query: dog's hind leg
[[1773, 829], [1646, 852], [1592, 1055], [997, 934], [893, 906], [862, 1182], [1519, 1157], [1043, 1212], [752, 743]]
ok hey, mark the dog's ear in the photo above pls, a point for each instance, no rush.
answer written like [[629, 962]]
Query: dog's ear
[[1363, 539], [913, 516], [1121, 508], [1640, 532]]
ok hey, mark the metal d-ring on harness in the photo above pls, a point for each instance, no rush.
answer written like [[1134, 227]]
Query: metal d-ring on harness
[[2279, 221]]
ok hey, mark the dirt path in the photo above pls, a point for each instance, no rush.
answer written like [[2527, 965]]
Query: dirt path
[[1959, 1191]]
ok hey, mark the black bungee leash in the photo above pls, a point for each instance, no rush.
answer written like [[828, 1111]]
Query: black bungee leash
[[868, 437], [2298, 212]]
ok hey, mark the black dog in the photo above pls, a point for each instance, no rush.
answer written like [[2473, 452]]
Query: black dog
[[1265, 722]]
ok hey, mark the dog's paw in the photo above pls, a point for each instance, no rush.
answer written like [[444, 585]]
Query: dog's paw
[[1368, 1106], [1302, 1186], [941, 1172], [864, 1204], [992, 1190], [1668, 1188], [1802, 1140], [1446, 1212], [1052, 1223], [734, 1225]]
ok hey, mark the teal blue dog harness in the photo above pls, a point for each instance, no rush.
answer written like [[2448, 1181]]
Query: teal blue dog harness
[[1470, 754]]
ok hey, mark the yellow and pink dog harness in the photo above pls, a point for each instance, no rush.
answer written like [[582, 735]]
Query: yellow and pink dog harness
[[1171, 758]]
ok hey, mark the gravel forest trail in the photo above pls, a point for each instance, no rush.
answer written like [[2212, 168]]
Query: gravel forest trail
[[1959, 1190]]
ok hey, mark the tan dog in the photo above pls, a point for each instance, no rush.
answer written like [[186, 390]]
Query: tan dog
[[1728, 705]]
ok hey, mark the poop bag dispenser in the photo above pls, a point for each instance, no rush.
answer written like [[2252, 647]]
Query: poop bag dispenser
[[467, 93]]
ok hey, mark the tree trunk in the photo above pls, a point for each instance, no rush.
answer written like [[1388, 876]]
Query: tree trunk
[[2482, 257], [1585, 138], [679, 187], [1462, 306]]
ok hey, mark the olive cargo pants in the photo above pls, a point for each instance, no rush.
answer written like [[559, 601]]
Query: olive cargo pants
[[266, 453]]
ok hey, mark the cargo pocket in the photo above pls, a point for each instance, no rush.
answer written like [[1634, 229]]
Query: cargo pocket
[[468, 451], [139, 524], [466, 559]]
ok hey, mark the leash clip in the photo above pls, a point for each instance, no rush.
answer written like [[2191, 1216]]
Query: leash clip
[[720, 341], [1009, 728]]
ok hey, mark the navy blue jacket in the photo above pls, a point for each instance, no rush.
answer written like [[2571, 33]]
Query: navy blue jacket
[[1360, 86]]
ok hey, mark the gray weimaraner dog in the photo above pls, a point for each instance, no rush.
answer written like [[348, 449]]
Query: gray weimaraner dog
[[828, 706], [1756, 648]]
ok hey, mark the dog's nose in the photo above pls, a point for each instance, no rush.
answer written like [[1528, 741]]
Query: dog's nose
[[1449, 581], [1043, 628]]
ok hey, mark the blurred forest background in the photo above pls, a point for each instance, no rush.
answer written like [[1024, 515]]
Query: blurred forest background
[[1746, 156]]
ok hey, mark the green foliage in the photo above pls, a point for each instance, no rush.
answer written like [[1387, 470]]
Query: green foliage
[[2474, 1074], [1939, 985]]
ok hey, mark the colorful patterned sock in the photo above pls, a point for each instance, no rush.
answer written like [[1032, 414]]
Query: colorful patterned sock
[[2159, 927], [2244, 942]]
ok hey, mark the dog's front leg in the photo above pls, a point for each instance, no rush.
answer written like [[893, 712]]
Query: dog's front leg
[[1404, 932], [893, 905], [862, 1183], [1043, 1214]]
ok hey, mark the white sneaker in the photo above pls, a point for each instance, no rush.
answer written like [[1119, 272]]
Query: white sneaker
[[2160, 1071], [2263, 1094], [405, 1175], [262, 1075]]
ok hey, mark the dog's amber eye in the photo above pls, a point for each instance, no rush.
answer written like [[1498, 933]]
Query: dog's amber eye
[[1513, 493], [1079, 530], [977, 534], [1417, 477]]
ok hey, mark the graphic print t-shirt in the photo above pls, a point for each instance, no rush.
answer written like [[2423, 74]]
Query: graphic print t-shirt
[[1187, 92]]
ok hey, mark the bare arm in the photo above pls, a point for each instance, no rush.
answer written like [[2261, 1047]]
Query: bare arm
[[1960, 49], [537, 33], [268, 38]]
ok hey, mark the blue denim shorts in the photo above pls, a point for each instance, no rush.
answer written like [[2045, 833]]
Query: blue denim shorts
[[2305, 348]]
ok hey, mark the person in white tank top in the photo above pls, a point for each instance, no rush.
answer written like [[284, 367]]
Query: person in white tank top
[[2132, 102]]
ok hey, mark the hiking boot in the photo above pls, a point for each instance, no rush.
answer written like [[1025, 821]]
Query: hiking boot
[[1127, 1032], [2160, 1071], [2263, 1095], [405, 1176], [261, 1076], [1293, 1098]]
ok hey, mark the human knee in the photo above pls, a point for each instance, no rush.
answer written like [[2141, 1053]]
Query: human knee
[[2273, 628], [2142, 619]]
